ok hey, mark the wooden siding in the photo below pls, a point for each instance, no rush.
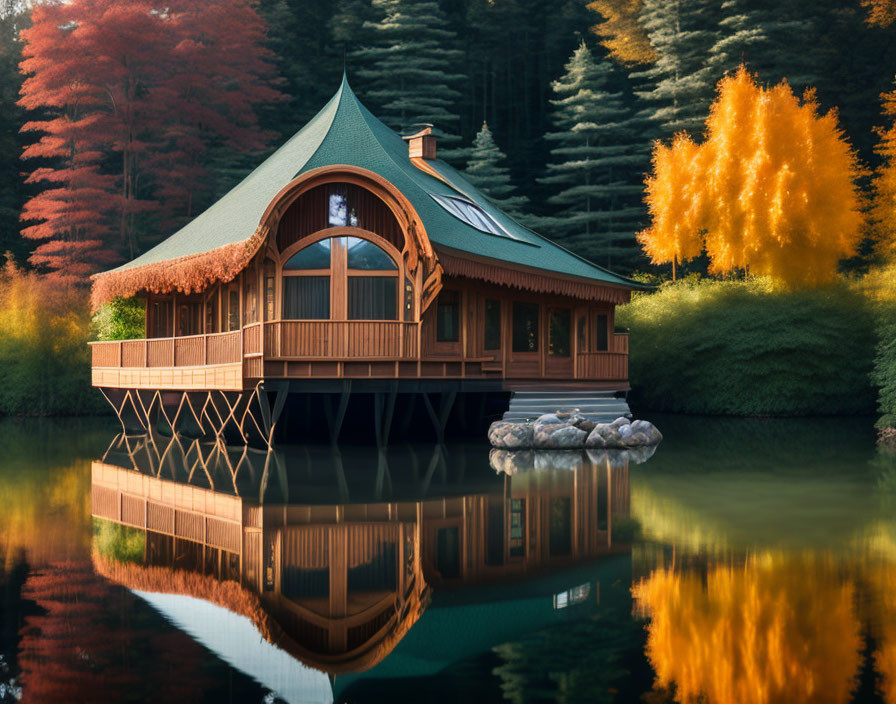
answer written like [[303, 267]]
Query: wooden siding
[[226, 377], [373, 349], [310, 214]]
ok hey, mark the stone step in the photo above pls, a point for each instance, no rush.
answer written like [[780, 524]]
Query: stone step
[[600, 406]]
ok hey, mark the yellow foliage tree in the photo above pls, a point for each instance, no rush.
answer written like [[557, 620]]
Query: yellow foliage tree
[[884, 206], [774, 631], [623, 34], [881, 12], [772, 189]]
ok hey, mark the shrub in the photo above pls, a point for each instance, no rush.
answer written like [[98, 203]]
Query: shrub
[[44, 357], [751, 348], [879, 288], [120, 319]]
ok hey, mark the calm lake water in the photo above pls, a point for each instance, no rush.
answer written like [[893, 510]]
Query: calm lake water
[[744, 561]]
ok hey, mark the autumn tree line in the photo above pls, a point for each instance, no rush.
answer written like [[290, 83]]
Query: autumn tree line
[[120, 121]]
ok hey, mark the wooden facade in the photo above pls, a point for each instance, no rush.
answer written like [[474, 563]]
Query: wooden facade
[[344, 582], [407, 312]]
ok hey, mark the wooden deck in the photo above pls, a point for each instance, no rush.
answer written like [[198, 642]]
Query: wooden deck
[[331, 349]]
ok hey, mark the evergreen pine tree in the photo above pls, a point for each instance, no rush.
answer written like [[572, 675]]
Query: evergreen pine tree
[[677, 88], [306, 58], [595, 160], [487, 171], [763, 38], [411, 69]]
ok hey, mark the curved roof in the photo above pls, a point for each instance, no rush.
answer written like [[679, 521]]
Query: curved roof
[[345, 132]]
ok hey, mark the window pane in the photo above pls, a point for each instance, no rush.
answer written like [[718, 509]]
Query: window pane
[[306, 297], [269, 297], [211, 314], [314, 256], [363, 254], [492, 325], [251, 302], [341, 215], [525, 327], [448, 317], [233, 310], [558, 338], [408, 300], [469, 213], [603, 338], [372, 297], [270, 276], [582, 340]]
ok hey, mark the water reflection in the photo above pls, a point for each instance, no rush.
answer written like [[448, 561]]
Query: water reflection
[[333, 558], [746, 561], [766, 581]]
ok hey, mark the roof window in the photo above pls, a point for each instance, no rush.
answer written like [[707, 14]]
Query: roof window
[[470, 213]]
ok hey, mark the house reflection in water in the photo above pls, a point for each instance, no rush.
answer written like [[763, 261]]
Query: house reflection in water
[[333, 561]]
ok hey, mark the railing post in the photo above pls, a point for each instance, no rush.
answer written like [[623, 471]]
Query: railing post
[[120, 353], [145, 354]]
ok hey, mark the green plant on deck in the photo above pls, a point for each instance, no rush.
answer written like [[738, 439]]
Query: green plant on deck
[[751, 348], [121, 543], [120, 319]]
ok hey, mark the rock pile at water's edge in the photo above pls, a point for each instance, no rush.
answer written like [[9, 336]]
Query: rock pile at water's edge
[[572, 431]]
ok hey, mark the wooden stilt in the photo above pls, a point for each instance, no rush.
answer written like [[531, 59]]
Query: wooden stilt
[[440, 420], [408, 415], [335, 421]]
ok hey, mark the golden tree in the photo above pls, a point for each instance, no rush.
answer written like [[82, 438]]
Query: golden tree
[[771, 190], [884, 206], [675, 201], [880, 12], [622, 33]]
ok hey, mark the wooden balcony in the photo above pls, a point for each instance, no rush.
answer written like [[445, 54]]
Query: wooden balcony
[[327, 349]]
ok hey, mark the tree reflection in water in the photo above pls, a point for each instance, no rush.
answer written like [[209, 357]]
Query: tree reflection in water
[[773, 630]]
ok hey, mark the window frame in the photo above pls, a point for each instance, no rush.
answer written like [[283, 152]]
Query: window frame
[[457, 303], [553, 311], [485, 325], [538, 324], [339, 273]]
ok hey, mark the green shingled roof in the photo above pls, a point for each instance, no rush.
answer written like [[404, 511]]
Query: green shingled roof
[[345, 132]]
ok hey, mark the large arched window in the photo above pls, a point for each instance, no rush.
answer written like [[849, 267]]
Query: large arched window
[[340, 278]]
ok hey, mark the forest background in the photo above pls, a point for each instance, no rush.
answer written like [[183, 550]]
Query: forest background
[[133, 118]]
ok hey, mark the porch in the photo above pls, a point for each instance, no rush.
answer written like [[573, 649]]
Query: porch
[[340, 349]]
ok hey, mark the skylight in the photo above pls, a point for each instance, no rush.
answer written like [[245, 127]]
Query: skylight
[[470, 213]]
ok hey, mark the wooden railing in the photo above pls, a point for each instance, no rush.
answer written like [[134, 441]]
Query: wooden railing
[[620, 342], [318, 341], [602, 365], [611, 364], [191, 351], [341, 339]]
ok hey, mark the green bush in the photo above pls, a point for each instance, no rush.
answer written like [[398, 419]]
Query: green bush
[[44, 356], [120, 319], [750, 348]]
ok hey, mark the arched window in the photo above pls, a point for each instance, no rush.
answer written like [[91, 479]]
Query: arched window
[[341, 278]]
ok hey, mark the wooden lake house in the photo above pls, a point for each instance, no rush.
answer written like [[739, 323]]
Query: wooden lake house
[[354, 269]]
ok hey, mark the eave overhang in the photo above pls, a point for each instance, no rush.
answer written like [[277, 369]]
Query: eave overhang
[[471, 266]]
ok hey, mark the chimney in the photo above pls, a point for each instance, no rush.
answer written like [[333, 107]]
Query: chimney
[[421, 144]]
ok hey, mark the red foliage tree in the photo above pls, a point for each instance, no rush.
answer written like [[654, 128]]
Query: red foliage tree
[[134, 97]]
